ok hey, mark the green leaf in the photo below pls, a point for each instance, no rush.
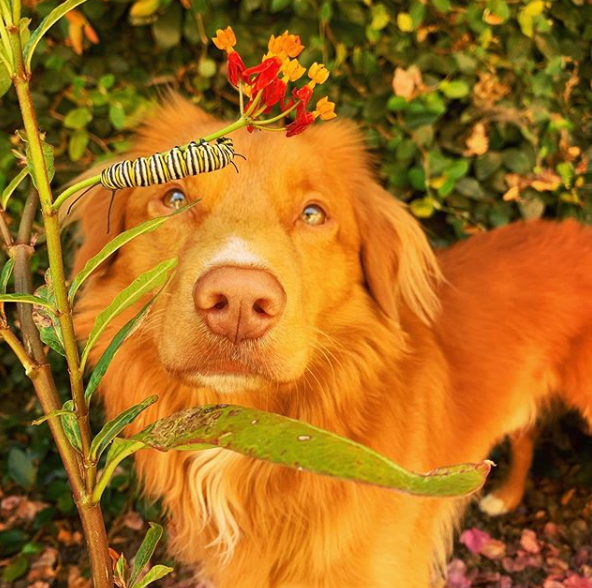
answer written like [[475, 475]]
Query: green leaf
[[70, 425], [78, 118], [155, 573], [49, 165], [380, 17], [139, 287], [112, 428], [51, 415], [326, 12], [109, 353], [454, 89], [277, 5], [5, 79], [422, 207], [46, 321], [15, 569], [5, 275], [115, 244], [77, 145], [26, 299], [145, 552], [12, 187], [117, 115], [288, 442], [20, 468], [45, 25]]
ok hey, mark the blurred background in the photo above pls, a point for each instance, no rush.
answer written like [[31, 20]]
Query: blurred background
[[478, 114]]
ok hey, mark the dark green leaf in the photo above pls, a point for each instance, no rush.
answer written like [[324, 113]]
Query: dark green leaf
[[301, 446], [112, 349], [112, 428], [21, 468], [167, 29], [143, 284], [145, 552]]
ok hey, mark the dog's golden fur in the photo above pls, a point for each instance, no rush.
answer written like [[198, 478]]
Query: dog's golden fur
[[429, 361]]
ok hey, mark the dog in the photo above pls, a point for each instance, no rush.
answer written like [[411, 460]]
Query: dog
[[305, 289]]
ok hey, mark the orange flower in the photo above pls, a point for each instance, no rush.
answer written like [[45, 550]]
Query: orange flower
[[225, 39], [325, 110], [292, 70], [285, 46], [78, 28], [318, 74]]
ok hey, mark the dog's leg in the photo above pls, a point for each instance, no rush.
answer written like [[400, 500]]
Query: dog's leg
[[509, 495]]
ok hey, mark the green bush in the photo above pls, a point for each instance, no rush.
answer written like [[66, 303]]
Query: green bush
[[479, 113]]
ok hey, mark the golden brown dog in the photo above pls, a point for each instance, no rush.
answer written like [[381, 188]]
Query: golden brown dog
[[306, 289]]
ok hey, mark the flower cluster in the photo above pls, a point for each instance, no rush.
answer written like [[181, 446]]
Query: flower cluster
[[267, 84]]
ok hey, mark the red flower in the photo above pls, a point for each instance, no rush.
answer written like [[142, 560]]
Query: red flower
[[235, 67], [303, 121], [273, 93], [264, 73]]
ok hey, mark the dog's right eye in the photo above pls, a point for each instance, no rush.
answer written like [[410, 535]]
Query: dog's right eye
[[174, 199]]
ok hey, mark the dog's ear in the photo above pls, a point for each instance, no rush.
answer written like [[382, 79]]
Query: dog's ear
[[398, 263], [96, 226]]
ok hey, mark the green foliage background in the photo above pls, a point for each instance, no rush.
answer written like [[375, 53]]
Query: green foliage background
[[511, 79]]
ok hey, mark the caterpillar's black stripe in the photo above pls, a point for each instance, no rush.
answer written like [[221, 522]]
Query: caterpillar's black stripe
[[160, 168]]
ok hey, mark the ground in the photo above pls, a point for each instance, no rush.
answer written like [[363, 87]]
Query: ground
[[546, 543]]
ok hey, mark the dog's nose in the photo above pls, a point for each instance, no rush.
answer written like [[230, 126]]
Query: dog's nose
[[239, 303]]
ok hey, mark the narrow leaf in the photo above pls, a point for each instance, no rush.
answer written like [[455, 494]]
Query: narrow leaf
[[288, 442], [26, 299], [117, 243], [51, 415], [156, 573], [5, 275], [45, 25], [145, 552], [8, 191], [111, 429], [139, 287], [71, 425], [109, 353]]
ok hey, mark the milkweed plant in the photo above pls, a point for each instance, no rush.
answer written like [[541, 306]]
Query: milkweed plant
[[36, 323]]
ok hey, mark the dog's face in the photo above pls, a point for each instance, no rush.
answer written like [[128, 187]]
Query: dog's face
[[272, 260]]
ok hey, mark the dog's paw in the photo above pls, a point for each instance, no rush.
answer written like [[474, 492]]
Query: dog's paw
[[493, 506]]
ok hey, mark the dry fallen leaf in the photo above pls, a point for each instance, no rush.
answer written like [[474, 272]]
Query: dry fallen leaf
[[478, 141], [407, 82]]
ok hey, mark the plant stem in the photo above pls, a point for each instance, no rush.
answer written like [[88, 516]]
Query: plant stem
[[5, 230], [77, 187], [82, 479], [54, 250], [17, 347]]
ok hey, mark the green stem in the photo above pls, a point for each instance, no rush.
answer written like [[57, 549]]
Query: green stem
[[16, 11], [77, 187], [110, 469], [17, 348], [279, 116], [6, 54]]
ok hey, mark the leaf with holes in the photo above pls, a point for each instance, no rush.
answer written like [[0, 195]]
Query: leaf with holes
[[46, 321], [288, 442], [71, 425]]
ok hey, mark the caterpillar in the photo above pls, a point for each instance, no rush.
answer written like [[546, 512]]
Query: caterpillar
[[180, 162]]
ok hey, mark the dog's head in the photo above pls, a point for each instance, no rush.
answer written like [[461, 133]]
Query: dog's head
[[274, 261]]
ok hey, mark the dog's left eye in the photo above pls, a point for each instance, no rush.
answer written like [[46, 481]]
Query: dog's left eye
[[313, 215], [174, 199]]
